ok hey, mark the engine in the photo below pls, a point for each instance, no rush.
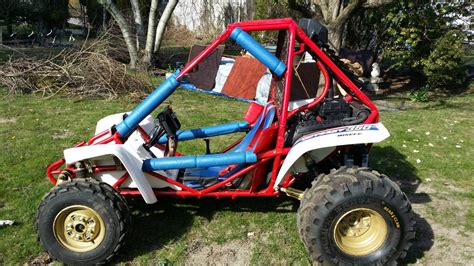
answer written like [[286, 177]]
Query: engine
[[330, 113]]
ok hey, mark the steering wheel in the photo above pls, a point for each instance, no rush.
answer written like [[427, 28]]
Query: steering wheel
[[166, 123]]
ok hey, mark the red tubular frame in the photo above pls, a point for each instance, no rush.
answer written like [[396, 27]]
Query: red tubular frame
[[53, 169], [320, 98], [277, 154]]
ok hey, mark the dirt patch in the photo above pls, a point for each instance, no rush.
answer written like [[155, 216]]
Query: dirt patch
[[387, 106], [236, 252], [7, 120], [441, 237], [42, 259], [62, 135]]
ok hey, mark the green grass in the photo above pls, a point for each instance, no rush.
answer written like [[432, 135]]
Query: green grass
[[34, 132], [433, 145]]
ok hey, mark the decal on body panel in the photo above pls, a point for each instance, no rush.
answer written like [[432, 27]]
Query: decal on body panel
[[340, 136]]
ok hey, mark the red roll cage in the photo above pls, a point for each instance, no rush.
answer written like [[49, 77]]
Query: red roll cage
[[328, 69]]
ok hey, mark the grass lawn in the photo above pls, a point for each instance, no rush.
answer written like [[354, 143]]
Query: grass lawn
[[429, 153]]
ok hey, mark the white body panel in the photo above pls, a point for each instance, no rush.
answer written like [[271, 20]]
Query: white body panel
[[327, 140], [131, 154], [295, 104]]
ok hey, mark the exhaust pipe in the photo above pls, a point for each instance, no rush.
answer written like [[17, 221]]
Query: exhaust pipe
[[292, 192]]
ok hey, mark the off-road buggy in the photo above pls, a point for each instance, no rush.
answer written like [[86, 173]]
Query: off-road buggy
[[315, 150]]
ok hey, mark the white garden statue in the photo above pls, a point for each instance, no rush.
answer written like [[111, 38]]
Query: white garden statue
[[375, 78], [375, 73]]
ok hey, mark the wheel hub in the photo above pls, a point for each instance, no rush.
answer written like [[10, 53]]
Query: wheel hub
[[360, 232], [356, 224], [79, 228]]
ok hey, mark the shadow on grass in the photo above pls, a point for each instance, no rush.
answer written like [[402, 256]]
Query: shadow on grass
[[400, 85], [462, 104], [389, 161], [155, 226]]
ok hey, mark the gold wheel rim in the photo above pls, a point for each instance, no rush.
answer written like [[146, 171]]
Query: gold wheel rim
[[79, 228], [360, 232]]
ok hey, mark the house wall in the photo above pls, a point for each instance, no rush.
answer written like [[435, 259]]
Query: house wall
[[209, 17]]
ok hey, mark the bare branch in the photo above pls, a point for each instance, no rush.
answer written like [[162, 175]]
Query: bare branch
[[86, 71], [376, 3], [347, 12]]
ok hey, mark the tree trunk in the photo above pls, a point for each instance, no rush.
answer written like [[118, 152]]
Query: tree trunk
[[139, 27], [160, 29], [335, 36], [151, 32], [124, 28]]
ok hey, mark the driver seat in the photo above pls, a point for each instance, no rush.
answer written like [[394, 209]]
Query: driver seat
[[199, 177]]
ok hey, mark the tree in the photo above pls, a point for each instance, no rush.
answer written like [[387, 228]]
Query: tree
[[12, 12], [153, 35], [137, 16], [333, 13], [160, 29], [43, 14], [415, 38], [46, 15], [150, 38], [371, 27], [414, 27], [444, 68], [95, 14], [124, 28]]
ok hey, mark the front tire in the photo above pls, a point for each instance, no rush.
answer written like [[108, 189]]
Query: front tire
[[82, 222], [355, 216]]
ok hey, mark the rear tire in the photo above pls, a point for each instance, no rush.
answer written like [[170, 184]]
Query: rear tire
[[355, 216], [82, 222]]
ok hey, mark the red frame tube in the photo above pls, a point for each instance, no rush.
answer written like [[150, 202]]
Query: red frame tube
[[121, 180], [320, 98]]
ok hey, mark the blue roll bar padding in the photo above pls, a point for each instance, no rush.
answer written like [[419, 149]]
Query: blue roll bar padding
[[205, 132], [258, 51], [197, 161], [241, 147], [129, 124]]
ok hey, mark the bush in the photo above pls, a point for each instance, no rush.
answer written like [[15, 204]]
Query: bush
[[420, 95], [444, 68]]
